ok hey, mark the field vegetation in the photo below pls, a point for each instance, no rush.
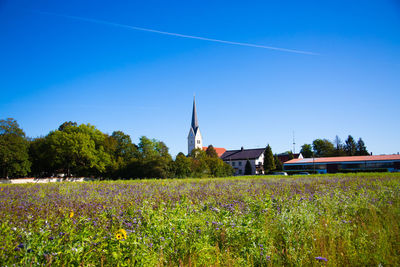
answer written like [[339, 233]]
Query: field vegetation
[[331, 220]]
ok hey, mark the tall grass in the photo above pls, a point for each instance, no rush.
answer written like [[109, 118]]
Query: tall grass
[[331, 220]]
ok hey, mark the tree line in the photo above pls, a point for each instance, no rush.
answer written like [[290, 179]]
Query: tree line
[[83, 150], [326, 148]]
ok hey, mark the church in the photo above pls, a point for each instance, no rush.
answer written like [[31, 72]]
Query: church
[[236, 158]]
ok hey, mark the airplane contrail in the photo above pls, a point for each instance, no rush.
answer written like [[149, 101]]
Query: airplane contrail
[[178, 34]]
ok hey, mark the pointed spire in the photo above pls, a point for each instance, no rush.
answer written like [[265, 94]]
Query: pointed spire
[[195, 123]]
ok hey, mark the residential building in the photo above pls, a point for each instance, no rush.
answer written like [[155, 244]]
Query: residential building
[[238, 158]]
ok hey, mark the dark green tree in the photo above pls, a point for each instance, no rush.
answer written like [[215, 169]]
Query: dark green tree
[[153, 160], [323, 148], [14, 157], [306, 151], [211, 152], [67, 124], [269, 163], [339, 147], [361, 149], [182, 166], [350, 146], [40, 155], [124, 148], [278, 163], [248, 170], [198, 153]]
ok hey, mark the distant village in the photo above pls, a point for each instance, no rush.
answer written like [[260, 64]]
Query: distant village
[[292, 163]]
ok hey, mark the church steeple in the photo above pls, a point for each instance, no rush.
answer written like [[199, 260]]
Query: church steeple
[[195, 123], [194, 138]]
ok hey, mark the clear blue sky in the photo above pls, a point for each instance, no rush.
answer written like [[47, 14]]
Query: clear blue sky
[[55, 69]]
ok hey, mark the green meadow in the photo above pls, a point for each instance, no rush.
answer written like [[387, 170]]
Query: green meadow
[[315, 220]]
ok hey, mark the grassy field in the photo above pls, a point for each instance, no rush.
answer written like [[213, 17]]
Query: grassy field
[[330, 220]]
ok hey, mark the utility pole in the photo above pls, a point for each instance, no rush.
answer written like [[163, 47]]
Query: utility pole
[[294, 145]]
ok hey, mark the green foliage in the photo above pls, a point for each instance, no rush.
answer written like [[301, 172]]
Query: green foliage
[[211, 152], [14, 157], [182, 166], [79, 150], [278, 163], [350, 220], [323, 148], [66, 124], [41, 157], [202, 165], [248, 170], [306, 151], [269, 162], [153, 160], [124, 148], [350, 146], [361, 149]]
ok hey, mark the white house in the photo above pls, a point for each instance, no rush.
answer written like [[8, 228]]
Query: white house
[[238, 158]]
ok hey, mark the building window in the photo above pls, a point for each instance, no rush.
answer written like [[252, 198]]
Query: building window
[[240, 171], [233, 163], [240, 163], [198, 141]]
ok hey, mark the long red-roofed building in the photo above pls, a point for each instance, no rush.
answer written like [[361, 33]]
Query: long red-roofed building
[[337, 164]]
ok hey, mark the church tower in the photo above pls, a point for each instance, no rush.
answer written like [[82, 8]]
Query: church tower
[[194, 138]]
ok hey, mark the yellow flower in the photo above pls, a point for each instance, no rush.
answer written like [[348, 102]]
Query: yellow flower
[[71, 214], [120, 234]]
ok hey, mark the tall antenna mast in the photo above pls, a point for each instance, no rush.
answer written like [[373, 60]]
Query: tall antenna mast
[[294, 145]]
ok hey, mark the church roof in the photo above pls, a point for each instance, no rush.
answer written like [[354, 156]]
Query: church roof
[[220, 150], [195, 123], [242, 154]]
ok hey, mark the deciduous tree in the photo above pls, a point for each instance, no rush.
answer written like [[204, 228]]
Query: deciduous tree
[[323, 148], [79, 150], [306, 151], [14, 157], [211, 152]]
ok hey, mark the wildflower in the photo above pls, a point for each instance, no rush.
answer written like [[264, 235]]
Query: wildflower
[[321, 259], [71, 214], [120, 234]]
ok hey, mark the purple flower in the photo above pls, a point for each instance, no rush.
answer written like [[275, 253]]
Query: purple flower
[[321, 259]]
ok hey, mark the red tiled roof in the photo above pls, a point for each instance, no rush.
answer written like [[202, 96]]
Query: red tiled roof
[[344, 159], [285, 157], [219, 150]]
